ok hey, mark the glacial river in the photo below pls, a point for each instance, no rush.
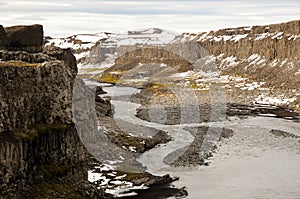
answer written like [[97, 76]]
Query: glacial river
[[252, 164]]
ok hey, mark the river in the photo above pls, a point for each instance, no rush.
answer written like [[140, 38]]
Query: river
[[252, 164]]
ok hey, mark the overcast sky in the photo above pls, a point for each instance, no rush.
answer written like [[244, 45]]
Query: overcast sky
[[65, 18]]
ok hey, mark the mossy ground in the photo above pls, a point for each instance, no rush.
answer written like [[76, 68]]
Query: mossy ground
[[108, 78], [32, 132]]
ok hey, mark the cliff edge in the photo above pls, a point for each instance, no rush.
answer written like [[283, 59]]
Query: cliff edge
[[41, 155]]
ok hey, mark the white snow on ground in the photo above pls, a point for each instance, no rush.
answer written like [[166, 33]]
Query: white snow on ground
[[147, 37], [247, 28], [112, 184], [218, 38], [278, 35], [86, 41], [229, 61], [280, 100], [81, 55], [184, 74], [293, 37], [203, 36], [91, 38], [208, 36], [233, 78], [250, 86], [262, 36], [239, 37]]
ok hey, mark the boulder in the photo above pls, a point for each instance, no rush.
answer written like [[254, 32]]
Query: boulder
[[25, 38], [3, 38]]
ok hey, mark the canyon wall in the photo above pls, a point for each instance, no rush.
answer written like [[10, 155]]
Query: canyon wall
[[278, 41], [40, 150]]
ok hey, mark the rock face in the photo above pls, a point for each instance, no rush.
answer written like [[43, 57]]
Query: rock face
[[32, 155], [41, 154], [35, 88], [279, 41]]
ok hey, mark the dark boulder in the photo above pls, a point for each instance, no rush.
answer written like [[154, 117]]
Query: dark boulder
[[100, 91], [3, 38], [25, 38]]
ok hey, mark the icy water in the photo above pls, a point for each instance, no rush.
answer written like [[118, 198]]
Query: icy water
[[254, 163]]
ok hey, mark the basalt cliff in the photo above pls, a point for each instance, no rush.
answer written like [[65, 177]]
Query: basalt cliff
[[41, 155]]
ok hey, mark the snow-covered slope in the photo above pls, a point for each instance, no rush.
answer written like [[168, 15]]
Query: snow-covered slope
[[103, 54], [101, 49], [81, 44]]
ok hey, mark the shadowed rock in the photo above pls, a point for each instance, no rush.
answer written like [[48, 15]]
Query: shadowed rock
[[3, 38], [25, 38]]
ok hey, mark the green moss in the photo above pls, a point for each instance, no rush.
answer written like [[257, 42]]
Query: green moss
[[32, 132], [42, 128], [29, 134], [108, 78]]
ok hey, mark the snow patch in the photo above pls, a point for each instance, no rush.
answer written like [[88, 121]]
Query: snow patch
[[278, 35], [239, 37], [280, 100], [262, 36]]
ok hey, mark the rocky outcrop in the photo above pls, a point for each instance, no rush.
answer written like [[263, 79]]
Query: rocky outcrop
[[34, 88], [3, 38], [25, 38], [37, 154], [41, 154]]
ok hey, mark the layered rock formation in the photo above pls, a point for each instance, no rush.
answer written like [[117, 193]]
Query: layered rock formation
[[34, 89], [278, 41]]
